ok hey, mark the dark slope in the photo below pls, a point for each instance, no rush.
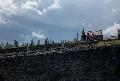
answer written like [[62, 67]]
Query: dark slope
[[101, 64]]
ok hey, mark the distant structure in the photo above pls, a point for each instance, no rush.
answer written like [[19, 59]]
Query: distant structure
[[91, 36], [88, 37], [118, 33], [77, 36]]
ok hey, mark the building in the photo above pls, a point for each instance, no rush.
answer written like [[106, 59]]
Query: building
[[91, 36]]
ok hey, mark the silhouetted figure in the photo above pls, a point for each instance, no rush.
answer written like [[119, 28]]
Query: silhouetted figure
[[83, 37], [93, 37], [101, 35], [7, 45], [77, 36], [15, 43], [62, 43], [88, 37], [45, 41], [65, 41], [50, 41], [38, 43], [32, 43], [68, 41], [2, 45], [53, 42]]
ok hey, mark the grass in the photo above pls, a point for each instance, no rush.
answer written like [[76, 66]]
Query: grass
[[108, 42]]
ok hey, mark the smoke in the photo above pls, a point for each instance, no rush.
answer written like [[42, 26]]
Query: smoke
[[112, 30], [18, 7]]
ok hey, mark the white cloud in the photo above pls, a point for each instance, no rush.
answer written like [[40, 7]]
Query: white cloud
[[112, 30], [29, 5], [55, 5], [38, 35], [17, 7], [7, 7]]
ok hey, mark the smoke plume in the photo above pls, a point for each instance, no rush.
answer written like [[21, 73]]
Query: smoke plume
[[112, 30]]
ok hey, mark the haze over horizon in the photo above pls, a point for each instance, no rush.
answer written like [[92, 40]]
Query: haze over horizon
[[56, 19]]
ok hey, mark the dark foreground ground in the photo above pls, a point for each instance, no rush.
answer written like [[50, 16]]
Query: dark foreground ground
[[101, 64]]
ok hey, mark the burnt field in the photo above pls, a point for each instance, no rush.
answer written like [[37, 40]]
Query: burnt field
[[100, 64]]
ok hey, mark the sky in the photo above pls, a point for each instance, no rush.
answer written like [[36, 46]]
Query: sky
[[24, 20]]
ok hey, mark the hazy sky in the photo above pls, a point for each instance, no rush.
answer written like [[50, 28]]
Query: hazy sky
[[24, 20]]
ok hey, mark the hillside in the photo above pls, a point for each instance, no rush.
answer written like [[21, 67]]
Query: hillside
[[100, 64]]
